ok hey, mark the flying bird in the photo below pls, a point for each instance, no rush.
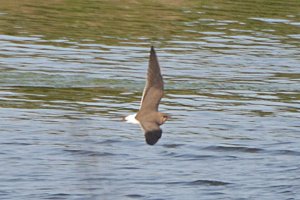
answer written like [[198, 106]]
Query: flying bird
[[148, 115]]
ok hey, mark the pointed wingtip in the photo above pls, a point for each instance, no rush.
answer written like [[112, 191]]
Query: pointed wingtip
[[153, 136], [152, 49], [152, 52]]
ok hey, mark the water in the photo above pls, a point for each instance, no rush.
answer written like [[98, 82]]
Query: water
[[69, 71]]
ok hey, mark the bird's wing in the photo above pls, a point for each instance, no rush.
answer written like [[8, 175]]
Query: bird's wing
[[154, 87], [152, 132]]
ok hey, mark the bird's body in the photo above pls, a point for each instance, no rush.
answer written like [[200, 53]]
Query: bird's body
[[148, 115]]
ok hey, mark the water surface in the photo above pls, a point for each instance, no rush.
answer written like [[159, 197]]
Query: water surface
[[70, 70]]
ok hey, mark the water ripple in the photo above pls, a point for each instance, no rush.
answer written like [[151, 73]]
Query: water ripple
[[234, 148]]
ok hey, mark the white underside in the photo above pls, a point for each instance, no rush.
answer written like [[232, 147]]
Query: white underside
[[132, 119]]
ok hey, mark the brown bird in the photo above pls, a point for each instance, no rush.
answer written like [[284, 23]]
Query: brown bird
[[148, 116]]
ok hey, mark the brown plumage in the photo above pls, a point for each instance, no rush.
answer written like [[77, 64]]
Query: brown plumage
[[148, 116]]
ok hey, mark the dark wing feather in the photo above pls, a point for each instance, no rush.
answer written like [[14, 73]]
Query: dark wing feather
[[152, 132], [153, 91]]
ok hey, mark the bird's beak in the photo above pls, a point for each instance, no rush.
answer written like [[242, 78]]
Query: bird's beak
[[167, 117]]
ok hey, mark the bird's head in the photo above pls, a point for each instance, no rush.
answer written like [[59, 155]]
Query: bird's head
[[163, 118]]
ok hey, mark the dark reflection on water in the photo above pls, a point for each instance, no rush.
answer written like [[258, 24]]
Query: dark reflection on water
[[69, 72]]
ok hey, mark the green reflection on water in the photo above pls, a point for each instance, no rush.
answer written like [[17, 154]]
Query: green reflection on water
[[88, 100], [104, 100], [114, 21], [94, 20]]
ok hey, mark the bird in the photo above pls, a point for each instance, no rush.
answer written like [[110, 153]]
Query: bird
[[148, 116]]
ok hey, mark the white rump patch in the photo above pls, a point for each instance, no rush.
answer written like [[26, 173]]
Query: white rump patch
[[132, 119]]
